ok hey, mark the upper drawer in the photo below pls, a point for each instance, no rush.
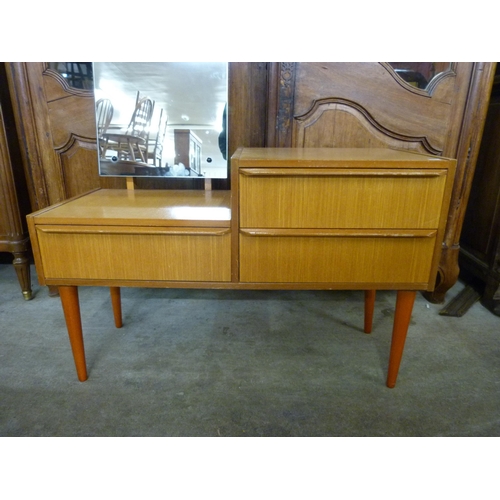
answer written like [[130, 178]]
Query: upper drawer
[[341, 198]]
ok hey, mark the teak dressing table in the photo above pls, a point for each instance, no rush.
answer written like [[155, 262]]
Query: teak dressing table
[[326, 218]]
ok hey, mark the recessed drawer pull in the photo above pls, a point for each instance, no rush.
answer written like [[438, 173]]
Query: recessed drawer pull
[[339, 172], [110, 230], [341, 233]]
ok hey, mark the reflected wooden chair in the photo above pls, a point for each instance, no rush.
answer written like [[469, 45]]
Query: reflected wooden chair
[[133, 144], [104, 114], [155, 150]]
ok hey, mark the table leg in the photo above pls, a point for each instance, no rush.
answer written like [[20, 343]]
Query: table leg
[[22, 266], [402, 316], [117, 305], [71, 308], [369, 308]]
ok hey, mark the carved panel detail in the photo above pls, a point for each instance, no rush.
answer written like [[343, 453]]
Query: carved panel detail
[[340, 123], [286, 100], [60, 86]]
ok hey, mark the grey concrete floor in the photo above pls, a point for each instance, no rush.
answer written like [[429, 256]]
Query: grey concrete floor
[[243, 363]]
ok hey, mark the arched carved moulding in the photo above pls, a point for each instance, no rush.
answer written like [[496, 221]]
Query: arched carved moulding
[[56, 86], [340, 123], [432, 85], [69, 109], [78, 160]]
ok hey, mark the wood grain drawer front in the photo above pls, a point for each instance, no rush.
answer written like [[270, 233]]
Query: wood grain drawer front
[[327, 198], [128, 253], [396, 259]]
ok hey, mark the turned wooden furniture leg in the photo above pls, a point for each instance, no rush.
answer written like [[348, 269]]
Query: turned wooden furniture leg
[[369, 308], [21, 264], [71, 308], [402, 316], [117, 305]]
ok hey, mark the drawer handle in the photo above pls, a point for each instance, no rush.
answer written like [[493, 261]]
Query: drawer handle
[[339, 172], [342, 233], [131, 231]]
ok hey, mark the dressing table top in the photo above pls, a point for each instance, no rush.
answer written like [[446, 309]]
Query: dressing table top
[[336, 157], [119, 207]]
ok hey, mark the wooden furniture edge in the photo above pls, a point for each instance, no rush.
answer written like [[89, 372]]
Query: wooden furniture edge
[[230, 285], [235, 210], [35, 248], [440, 237], [63, 202]]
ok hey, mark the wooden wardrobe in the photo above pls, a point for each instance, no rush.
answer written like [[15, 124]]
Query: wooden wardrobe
[[296, 104], [480, 240], [14, 200]]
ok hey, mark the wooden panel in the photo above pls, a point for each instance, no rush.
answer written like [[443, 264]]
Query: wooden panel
[[342, 198], [71, 112], [247, 105], [75, 160], [134, 253], [381, 261], [482, 223]]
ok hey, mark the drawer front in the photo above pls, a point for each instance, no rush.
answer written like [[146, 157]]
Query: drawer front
[[114, 253], [392, 260], [341, 198]]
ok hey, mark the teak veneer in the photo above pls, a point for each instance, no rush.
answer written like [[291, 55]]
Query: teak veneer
[[323, 218]]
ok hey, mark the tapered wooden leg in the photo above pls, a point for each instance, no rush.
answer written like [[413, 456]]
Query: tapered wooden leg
[[369, 308], [402, 316], [116, 302], [71, 308]]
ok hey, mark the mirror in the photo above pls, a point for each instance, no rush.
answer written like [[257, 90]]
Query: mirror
[[164, 119]]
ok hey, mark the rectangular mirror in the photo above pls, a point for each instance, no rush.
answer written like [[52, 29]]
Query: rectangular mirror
[[163, 119]]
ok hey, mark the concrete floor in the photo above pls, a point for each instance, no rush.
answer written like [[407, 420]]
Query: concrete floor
[[243, 363]]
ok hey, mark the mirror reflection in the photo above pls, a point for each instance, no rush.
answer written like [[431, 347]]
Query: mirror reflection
[[77, 74], [419, 74], [164, 119]]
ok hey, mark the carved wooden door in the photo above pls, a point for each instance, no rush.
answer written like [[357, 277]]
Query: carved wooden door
[[380, 105], [57, 125]]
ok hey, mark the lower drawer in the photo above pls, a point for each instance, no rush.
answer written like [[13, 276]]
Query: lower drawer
[[398, 259], [135, 253]]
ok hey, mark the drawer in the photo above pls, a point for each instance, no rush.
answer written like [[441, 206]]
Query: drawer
[[403, 257], [135, 253], [341, 198]]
